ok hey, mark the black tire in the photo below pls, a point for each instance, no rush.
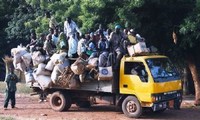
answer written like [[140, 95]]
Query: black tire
[[60, 102], [83, 104], [131, 107]]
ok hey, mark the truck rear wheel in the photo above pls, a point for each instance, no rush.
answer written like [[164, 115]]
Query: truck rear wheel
[[131, 107], [60, 102]]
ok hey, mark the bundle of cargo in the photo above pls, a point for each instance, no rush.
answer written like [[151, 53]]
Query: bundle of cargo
[[138, 48], [29, 77], [68, 79], [17, 54], [78, 67], [37, 58], [35, 68]]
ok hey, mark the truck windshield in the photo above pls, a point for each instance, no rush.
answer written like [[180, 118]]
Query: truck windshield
[[162, 69]]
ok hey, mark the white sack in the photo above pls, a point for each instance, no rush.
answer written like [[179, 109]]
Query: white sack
[[58, 58], [131, 50], [29, 77], [21, 66], [55, 74], [44, 81], [17, 59], [61, 67], [18, 51], [140, 47], [26, 58], [37, 58], [50, 65], [14, 63], [41, 70]]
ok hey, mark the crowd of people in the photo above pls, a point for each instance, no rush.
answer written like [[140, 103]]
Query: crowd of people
[[109, 46]]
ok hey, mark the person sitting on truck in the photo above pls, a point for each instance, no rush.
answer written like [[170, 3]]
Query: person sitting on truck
[[91, 47], [40, 43], [48, 47], [33, 41], [81, 45], [103, 47], [139, 69], [61, 43], [55, 37], [108, 32], [115, 45], [132, 37], [72, 48]]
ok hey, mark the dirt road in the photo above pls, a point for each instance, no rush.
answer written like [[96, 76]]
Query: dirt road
[[30, 109]]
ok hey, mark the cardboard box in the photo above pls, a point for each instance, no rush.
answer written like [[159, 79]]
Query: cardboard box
[[140, 47], [131, 50], [105, 73]]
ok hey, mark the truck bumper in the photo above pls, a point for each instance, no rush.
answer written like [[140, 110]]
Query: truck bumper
[[159, 106]]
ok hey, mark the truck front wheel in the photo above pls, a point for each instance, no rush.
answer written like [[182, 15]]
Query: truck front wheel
[[131, 107], [59, 101]]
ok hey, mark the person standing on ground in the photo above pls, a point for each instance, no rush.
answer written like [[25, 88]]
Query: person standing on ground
[[11, 80]]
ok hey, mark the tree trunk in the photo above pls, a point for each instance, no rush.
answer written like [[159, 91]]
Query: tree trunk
[[185, 81], [195, 77]]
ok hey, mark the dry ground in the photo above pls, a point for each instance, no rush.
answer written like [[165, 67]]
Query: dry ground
[[30, 109]]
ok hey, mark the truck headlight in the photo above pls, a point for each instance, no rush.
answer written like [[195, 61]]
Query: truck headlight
[[156, 98]]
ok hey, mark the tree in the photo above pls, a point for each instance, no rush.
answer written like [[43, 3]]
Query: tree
[[189, 43]]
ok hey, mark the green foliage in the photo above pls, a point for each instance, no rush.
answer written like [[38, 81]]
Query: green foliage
[[6, 118], [153, 19]]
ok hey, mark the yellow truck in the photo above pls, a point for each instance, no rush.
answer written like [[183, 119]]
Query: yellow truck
[[142, 82]]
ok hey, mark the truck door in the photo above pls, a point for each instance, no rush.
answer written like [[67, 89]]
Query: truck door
[[134, 80]]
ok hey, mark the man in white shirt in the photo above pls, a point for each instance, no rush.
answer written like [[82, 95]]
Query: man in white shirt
[[70, 28], [72, 44]]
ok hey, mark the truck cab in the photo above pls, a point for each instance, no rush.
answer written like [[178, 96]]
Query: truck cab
[[148, 82]]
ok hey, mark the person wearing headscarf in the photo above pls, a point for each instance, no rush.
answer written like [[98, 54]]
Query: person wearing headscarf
[[116, 38]]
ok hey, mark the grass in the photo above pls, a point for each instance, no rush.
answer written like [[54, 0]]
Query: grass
[[21, 88], [6, 118]]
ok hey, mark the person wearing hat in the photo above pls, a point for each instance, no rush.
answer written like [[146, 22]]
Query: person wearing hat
[[116, 38], [11, 80]]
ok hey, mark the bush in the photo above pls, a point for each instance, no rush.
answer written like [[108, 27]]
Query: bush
[[6, 118], [21, 88]]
